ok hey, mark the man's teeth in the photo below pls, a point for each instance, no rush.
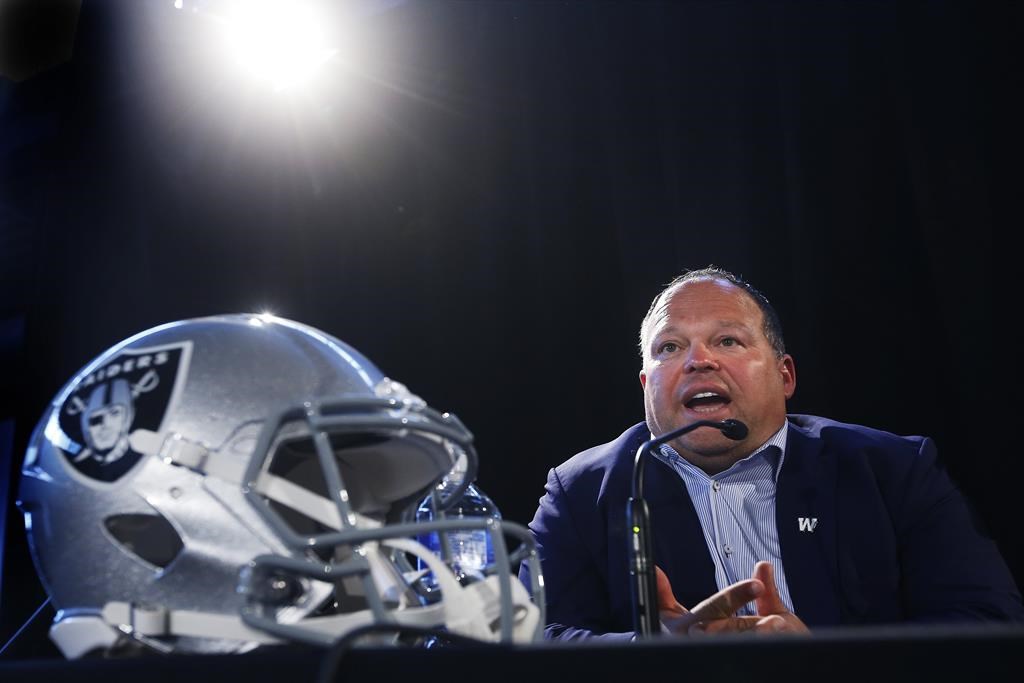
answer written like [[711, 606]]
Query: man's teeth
[[695, 403]]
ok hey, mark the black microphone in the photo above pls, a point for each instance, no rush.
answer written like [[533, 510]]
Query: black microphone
[[638, 520]]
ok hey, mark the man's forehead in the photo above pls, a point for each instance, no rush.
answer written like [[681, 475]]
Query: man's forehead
[[665, 324]]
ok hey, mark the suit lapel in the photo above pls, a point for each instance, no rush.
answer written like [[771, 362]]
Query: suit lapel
[[807, 492], [679, 545]]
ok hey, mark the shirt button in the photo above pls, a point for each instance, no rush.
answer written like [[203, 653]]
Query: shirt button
[[716, 485], [727, 549]]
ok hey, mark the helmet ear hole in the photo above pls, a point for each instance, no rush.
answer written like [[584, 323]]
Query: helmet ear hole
[[151, 538]]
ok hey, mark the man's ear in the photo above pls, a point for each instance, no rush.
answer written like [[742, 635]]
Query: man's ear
[[643, 379], [787, 369]]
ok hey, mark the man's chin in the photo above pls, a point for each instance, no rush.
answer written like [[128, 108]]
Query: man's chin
[[712, 461], [711, 448]]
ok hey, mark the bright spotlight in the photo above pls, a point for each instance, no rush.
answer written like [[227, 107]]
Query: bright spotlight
[[279, 42], [262, 318]]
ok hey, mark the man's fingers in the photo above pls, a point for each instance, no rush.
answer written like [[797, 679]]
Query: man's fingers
[[771, 624], [666, 599], [717, 613], [729, 625], [725, 603], [768, 602]]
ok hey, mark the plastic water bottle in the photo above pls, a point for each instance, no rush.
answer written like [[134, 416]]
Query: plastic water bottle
[[472, 550]]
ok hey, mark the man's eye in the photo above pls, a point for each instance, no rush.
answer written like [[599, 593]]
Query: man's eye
[[669, 347], [729, 341]]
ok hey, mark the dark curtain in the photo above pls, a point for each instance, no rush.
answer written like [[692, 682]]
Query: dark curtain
[[487, 204]]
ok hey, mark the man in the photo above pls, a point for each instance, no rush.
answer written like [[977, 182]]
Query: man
[[106, 420], [833, 523]]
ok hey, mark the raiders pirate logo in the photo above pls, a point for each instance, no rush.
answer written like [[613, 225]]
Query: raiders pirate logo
[[134, 390]]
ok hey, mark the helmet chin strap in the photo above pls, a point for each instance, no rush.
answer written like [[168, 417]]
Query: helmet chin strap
[[481, 609]]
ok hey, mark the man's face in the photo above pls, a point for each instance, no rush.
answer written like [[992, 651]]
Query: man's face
[[106, 426], [707, 358]]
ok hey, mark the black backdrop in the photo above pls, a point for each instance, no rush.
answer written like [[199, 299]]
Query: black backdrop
[[486, 204]]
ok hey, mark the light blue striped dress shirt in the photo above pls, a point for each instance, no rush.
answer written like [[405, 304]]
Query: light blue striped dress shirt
[[737, 512]]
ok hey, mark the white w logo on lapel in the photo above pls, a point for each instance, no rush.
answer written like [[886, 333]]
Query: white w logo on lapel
[[807, 523]]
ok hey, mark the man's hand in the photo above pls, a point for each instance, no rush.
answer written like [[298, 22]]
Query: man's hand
[[717, 614], [770, 607]]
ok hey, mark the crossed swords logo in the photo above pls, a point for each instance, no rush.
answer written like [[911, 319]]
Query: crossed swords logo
[[147, 383]]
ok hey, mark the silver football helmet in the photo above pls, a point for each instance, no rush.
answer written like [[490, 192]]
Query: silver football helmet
[[214, 484]]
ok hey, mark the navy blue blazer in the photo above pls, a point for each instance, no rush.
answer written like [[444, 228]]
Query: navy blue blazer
[[895, 540]]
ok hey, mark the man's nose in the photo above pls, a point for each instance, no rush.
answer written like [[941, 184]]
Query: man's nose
[[700, 358]]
